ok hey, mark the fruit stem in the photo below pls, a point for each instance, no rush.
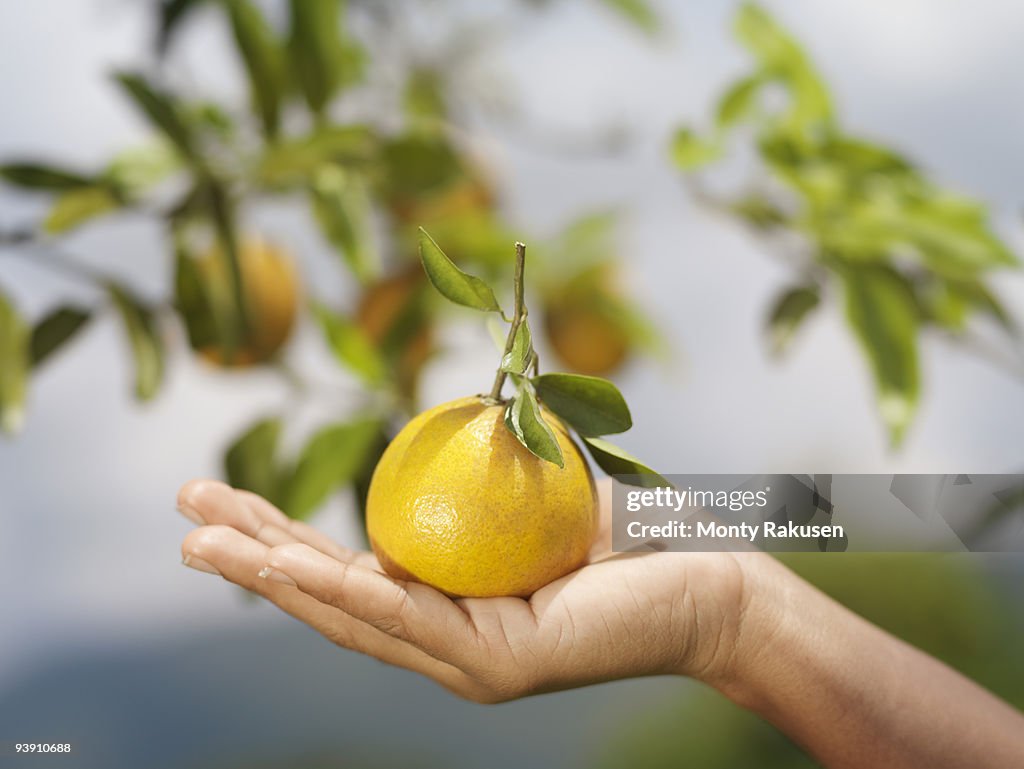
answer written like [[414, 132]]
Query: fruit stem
[[518, 316]]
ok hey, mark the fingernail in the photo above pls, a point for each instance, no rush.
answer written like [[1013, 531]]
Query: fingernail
[[198, 564], [275, 576], [192, 515]]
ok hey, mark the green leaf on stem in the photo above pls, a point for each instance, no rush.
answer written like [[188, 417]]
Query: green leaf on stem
[[331, 459], [322, 59], [295, 161], [192, 302], [759, 211], [172, 14], [233, 316], [38, 176], [863, 159], [351, 346], [590, 405], [523, 417], [264, 61], [690, 152], [954, 242], [342, 208], [883, 313], [143, 337], [423, 97], [56, 330], [162, 110], [136, 169], [953, 239], [739, 101], [14, 366], [78, 206], [790, 309], [981, 299], [782, 59], [950, 304], [519, 358], [211, 120], [417, 164], [454, 284], [616, 461], [249, 462]]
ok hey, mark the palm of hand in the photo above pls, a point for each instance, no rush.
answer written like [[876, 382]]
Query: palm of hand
[[619, 615]]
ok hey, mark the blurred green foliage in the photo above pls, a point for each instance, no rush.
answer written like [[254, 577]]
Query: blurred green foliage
[[370, 172], [901, 253]]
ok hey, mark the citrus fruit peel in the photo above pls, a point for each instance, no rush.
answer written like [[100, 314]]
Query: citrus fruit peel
[[487, 495]]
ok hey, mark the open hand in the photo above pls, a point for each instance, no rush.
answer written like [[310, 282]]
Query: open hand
[[620, 615]]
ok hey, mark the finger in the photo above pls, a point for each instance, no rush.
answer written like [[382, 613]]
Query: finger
[[414, 613], [211, 502], [301, 531], [239, 559], [214, 502]]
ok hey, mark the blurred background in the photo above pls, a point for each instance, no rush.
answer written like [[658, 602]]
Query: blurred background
[[787, 231]]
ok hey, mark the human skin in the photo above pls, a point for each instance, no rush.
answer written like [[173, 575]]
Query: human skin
[[849, 693]]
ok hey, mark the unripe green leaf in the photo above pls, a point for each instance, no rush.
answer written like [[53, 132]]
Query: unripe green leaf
[[146, 345], [14, 366], [454, 284], [342, 209], [264, 61], [524, 419], [331, 459], [36, 176], [590, 405], [616, 461], [77, 206], [249, 462], [691, 152], [351, 346], [162, 110], [881, 309], [791, 308], [55, 330], [518, 359]]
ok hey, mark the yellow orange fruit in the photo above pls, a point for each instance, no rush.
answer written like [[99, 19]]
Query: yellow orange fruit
[[585, 339], [271, 289], [457, 502]]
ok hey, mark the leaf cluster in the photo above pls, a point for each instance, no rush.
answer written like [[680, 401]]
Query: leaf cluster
[[900, 252], [336, 455], [591, 406], [366, 180]]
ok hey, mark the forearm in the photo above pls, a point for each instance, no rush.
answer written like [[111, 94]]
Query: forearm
[[855, 696]]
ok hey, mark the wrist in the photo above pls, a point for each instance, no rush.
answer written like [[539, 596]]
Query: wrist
[[730, 601], [780, 656], [763, 633]]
